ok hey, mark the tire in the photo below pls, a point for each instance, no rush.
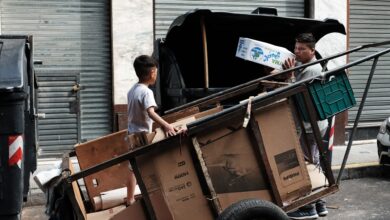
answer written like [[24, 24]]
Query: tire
[[380, 148], [250, 209], [385, 160]]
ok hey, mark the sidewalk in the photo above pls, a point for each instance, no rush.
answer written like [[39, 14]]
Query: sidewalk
[[362, 162], [362, 153]]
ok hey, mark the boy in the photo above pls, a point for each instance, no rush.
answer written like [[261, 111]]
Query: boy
[[141, 108]]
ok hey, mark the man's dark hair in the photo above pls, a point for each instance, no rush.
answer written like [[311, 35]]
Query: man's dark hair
[[306, 38], [143, 65]]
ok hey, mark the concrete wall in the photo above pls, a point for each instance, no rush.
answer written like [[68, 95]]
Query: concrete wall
[[132, 35], [332, 43]]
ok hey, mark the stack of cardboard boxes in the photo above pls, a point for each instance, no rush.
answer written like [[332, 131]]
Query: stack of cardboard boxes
[[199, 176]]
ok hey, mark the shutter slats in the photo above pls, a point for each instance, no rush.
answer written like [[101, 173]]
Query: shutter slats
[[369, 23], [167, 10], [69, 36]]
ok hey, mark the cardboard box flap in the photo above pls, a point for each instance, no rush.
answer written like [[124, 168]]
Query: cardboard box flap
[[283, 150], [211, 135], [171, 176], [232, 164]]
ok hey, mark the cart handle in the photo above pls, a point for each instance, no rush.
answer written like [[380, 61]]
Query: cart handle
[[208, 99]]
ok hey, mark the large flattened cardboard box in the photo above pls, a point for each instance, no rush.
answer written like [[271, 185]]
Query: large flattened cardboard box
[[234, 170], [170, 176], [283, 151]]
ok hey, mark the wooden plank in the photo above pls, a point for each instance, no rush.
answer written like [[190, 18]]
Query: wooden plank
[[208, 112], [145, 196], [76, 197], [260, 151], [320, 144], [170, 118], [312, 197], [213, 194]]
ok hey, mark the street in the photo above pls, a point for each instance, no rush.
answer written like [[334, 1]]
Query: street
[[358, 199]]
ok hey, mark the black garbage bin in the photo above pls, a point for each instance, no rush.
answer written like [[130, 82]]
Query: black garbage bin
[[14, 90]]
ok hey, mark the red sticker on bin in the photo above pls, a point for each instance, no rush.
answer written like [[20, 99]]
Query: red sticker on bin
[[15, 150]]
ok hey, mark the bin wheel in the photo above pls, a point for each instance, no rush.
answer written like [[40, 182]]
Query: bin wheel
[[249, 209]]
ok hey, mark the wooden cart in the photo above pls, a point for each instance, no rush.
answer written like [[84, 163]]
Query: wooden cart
[[221, 162]]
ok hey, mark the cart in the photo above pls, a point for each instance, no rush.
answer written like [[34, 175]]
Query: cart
[[242, 162]]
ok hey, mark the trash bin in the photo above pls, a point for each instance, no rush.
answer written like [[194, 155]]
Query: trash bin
[[14, 91]]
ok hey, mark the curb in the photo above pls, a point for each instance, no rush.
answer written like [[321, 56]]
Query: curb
[[362, 170]]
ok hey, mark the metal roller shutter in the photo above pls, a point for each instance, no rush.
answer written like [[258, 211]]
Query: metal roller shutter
[[370, 22], [167, 10], [73, 40]]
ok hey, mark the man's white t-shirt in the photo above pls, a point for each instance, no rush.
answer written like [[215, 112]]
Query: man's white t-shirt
[[139, 99]]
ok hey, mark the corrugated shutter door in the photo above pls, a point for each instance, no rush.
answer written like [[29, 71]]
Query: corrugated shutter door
[[369, 23], [167, 10], [61, 126], [69, 36]]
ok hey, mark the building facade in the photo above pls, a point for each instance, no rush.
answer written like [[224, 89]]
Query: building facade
[[87, 49]]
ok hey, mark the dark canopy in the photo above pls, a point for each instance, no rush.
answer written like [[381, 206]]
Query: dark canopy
[[223, 30]]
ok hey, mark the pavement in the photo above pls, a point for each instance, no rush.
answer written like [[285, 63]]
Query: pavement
[[362, 162], [360, 199]]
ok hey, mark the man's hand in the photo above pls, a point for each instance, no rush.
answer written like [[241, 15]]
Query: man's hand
[[288, 64]]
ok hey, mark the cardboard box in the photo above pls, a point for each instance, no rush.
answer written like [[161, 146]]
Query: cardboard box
[[317, 177], [233, 167], [135, 211], [100, 150], [105, 214], [171, 174], [102, 215], [262, 53], [283, 150]]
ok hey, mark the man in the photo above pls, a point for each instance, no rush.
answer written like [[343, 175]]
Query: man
[[305, 53]]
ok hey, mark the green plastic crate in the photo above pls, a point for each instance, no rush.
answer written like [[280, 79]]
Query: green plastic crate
[[329, 97]]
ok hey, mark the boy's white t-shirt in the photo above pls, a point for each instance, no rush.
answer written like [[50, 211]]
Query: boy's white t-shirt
[[139, 99]]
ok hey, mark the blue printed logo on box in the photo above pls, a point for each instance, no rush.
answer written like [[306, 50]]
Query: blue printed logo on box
[[256, 53]]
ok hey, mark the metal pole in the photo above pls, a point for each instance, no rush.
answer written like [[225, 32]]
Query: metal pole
[[357, 118], [233, 89], [205, 54]]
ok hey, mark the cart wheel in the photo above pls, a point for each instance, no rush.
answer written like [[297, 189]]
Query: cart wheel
[[249, 209]]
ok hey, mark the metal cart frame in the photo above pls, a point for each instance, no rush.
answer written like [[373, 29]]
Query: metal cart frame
[[239, 111]]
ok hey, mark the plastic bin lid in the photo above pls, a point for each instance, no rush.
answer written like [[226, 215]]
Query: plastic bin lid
[[12, 55]]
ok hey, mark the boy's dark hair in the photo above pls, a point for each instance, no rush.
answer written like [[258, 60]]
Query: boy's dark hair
[[143, 65], [306, 38]]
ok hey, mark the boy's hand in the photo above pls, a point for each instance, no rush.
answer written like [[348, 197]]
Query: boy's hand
[[169, 130]]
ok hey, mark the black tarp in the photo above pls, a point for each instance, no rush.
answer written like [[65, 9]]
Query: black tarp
[[223, 30]]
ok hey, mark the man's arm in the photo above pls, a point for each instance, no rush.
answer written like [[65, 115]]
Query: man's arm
[[168, 128]]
